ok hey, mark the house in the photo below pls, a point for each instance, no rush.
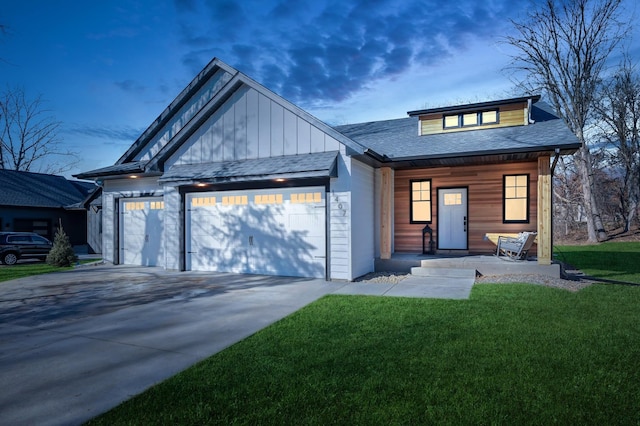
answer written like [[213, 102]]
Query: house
[[36, 202], [232, 177]]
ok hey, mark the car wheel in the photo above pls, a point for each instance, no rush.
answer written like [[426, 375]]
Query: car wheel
[[9, 259]]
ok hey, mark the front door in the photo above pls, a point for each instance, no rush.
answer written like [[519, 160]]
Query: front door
[[452, 219]]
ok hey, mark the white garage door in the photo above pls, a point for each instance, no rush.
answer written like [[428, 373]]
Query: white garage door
[[271, 232], [141, 231]]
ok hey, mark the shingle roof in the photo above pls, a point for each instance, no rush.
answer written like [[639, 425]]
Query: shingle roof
[[399, 139], [321, 164], [26, 189]]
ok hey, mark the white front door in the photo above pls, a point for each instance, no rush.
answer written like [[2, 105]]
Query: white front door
[[452, 219]]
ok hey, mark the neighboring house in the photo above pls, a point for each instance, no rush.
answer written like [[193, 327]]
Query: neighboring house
[[232, 177], [37, 202]]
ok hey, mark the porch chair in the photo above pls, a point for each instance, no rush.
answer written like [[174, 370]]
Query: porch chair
[[515, 248]]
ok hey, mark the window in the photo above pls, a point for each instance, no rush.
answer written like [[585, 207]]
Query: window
[[468, 119], [420, 201], [489, 117], [516, 198], [451, 121]]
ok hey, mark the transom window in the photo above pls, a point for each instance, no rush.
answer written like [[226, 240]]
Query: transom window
[[420, 201], [467, 119], [516, 198]]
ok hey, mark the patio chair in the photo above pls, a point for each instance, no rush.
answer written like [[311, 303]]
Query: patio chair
[[515, 248]]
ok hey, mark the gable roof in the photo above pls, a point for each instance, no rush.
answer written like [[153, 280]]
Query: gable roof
[[232, 82], [26, 189], [398, 140]]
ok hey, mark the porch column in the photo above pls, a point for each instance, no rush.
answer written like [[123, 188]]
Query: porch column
[[544, 211], [386, 212]]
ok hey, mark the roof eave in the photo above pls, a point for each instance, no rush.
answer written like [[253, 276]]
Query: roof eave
[[474, 106]]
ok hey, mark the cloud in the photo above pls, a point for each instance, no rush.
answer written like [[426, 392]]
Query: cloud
[[313, 52], [126, 134], [131, 86]]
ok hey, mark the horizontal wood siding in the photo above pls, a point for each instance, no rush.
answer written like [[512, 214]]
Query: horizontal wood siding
[[510, 115], [484, 185]]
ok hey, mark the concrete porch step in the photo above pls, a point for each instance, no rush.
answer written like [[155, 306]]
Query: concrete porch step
[[443, 272]]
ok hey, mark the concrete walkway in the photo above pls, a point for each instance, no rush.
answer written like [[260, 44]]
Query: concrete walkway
[[414, 286], [75, 344]]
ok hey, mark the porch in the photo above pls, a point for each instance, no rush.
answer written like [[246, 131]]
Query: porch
[[483, 264]]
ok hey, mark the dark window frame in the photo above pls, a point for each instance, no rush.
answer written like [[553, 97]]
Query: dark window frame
[[478, 123], [411, 201], [504, 199]]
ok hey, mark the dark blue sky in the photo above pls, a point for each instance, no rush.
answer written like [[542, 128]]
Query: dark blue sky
[[108, 68]]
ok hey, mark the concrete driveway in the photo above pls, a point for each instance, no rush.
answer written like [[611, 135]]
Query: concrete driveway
[[75, 344]]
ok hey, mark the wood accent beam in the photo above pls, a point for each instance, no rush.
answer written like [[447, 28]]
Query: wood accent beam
[[545, 218], [386, 212]]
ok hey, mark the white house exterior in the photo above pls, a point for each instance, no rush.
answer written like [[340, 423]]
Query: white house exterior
[[233, 178]]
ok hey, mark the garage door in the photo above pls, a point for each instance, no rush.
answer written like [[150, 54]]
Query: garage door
[[271, 232], [141, 232]]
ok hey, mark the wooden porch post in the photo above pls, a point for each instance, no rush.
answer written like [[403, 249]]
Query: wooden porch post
[[386, 212], [544, 211]]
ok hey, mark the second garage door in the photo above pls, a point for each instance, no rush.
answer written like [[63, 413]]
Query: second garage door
[[271, 232], [141, 231]]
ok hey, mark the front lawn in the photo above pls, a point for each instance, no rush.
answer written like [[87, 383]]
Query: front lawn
[[512, 354], [611, 261], [22, 270]]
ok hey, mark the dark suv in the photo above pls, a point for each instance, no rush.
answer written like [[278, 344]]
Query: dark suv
[[17, 245]]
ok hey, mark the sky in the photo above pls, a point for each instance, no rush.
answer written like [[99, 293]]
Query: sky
[[107, 69]]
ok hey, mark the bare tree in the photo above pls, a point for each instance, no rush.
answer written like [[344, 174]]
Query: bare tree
[[562, 48], [618, 115], [29, 138]]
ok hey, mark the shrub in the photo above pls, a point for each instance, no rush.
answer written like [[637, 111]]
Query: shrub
[[61, 254]]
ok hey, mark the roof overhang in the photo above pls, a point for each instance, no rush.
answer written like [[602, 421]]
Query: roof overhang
[[468, 158], [116, 171], [289, 167], [474, 106]]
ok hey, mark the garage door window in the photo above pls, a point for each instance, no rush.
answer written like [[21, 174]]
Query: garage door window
[[132, 206], [203, 201], [307, 197], [268, 199], [235, 200]]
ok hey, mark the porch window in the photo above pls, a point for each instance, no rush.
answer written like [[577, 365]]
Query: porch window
[[420, 201], [516, 199]]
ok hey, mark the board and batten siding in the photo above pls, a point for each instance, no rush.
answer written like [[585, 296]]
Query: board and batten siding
[[484, 183], [207, 92], [249, 125], [112, 192], [510, 115]]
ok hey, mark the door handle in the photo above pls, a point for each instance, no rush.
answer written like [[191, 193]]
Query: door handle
[[250, 240], [465, 224]]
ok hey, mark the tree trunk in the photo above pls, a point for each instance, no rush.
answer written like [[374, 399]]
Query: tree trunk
[[595, 227], [631, 215]]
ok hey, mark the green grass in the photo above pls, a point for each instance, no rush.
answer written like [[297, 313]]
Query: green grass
[[512, 354], [611, 261], [28, 269]]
